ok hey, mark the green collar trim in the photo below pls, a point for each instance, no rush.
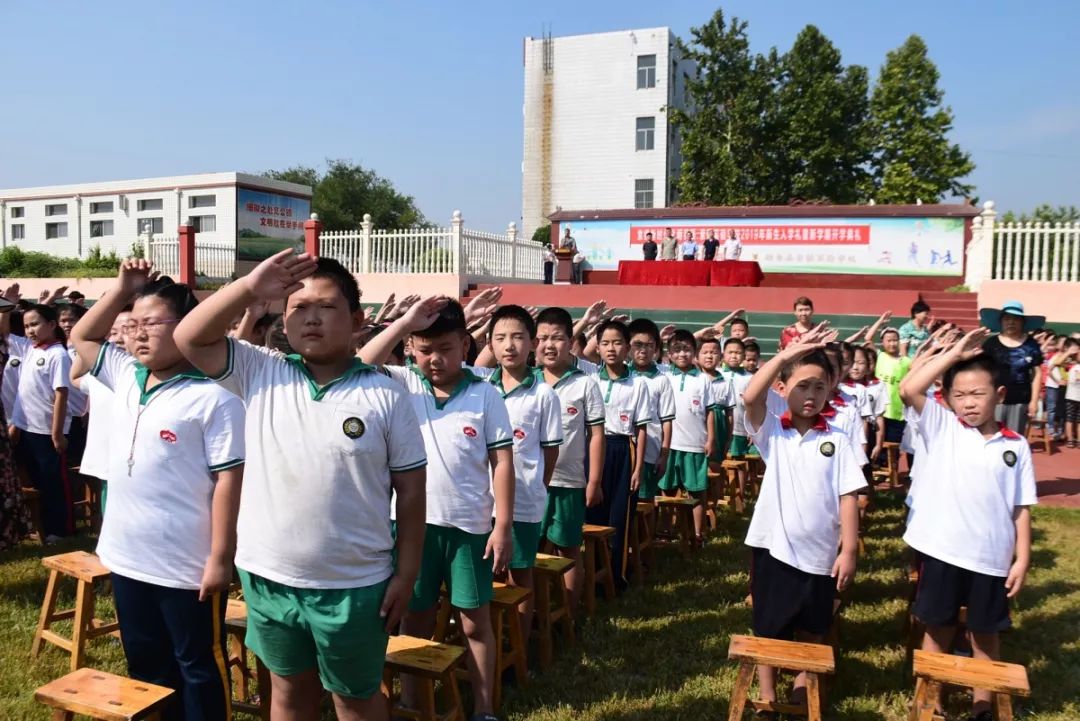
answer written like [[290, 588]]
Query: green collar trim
[[142, 375], [467, 379], [496, 380], [318, 392], [735, 371], [692, 372], [651, 371], [570, 372], [608, 377]]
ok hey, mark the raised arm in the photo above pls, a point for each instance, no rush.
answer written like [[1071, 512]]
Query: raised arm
[[90, 332], [918, 380], [756, 395], [872, 333], [420, 316]]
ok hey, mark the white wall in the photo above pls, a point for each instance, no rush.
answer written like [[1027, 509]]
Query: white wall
[[595, 104]]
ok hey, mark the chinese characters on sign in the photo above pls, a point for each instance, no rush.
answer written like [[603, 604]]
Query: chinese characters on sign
[[272, 216]]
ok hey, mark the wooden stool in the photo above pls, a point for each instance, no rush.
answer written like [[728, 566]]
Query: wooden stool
[[891, 471], [236, 630], [32, 499], [683, 508], [548, 584], [641, 537], [596, 546], [510, 649], [751, 651], [732, 468], [1038, 424], [933, 670], [103, 696], [429, 662], [86, 569]]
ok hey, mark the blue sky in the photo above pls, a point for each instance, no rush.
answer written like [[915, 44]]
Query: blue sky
[[429, 93]]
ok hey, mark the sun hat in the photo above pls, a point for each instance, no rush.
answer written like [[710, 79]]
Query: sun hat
[[991, 317]]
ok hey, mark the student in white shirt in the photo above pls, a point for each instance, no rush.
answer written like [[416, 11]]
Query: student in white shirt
[[175, 467], [575, 483], [807, 507], [645, 347], [973, 522], [329, 441], [466, 430], [709, 360], [78, 401], [732, 247], [41, 420], [739, 379]]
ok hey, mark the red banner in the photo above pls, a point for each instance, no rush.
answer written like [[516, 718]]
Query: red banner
[[761, 234]]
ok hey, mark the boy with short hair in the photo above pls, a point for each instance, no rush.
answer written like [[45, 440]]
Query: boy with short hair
[[751, 356], [807, 507], [693, 429], [645, 346], [466, 429], [739, 379], [329, 441], [973, 526], [740, 328], [709, 358], [575, 482]]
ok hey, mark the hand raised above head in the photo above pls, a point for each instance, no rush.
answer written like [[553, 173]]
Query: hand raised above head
[[279, 275]]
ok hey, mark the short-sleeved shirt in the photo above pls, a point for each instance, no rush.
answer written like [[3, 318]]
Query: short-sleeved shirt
[[626, 402], [914, 336], [1072, 389], [458, 432], [693, 394], [842, 413], [95, 460], [661, 409], [17, 347], [739, 379], [582, 407], [964, 513], [78, 401], [732, 249], [689, 247], [723, 394], [536, 419], [668, 246], [797, 516], [1017, 364], [876, 399], [649, 250], [857, 391], [315, 509], [789, 335], [44, 370], [709, 248], [167, 444], [890, 370]]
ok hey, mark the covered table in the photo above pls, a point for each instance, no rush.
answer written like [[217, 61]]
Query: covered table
[[735, 272], [690, 272]]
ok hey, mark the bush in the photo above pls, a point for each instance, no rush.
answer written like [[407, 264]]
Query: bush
[[18, 263]]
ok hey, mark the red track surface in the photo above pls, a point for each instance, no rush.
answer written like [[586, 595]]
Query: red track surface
[[1058, 476]]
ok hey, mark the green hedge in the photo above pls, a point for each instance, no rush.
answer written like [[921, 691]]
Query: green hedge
[[18, 263]]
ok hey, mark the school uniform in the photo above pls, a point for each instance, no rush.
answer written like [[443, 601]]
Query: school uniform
[[724, 397], [626, 409], [913, 443], [315, 545], [795, 529], [95, 460], [661, 410], [582, 408], [842, 412], [77, 406], [536, 420], [739, 380], [963, 527], [688, 464], [168, 442], [458, 433], [17, 347], [44, 370]]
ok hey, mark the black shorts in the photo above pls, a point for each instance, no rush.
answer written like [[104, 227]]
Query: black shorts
[[944, 588], [1072, 411], [787, 600]]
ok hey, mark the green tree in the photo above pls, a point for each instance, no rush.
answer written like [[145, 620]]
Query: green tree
[[346, 191], [1045, 213], [542, 234], [913, 158], [822, 112]]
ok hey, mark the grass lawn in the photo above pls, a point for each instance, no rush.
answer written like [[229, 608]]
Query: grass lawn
[[660, 653]]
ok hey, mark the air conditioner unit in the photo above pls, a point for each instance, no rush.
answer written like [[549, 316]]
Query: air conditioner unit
[[122, 202]]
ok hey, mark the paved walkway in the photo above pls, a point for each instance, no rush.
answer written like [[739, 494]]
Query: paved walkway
[[1058, 475]]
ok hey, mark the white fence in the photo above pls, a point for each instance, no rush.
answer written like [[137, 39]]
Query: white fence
[[454, 249], [1021, 251], [215, 261]]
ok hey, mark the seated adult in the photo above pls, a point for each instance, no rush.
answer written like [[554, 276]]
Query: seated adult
[[804, 321], [649, 248], [1021, 358]]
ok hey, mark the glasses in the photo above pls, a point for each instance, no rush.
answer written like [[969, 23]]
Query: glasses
[[150, 326]]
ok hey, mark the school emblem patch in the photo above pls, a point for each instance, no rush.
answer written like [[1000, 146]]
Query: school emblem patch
[[697, 402], [624, 418], [827, 449], [1010, 458], [167, 435], [519, 434], [571, 410], [469, 431], [353, 427], [41, 361]]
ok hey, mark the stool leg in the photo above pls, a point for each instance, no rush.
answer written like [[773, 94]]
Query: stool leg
[[686, 530], [84, 614], [568, 614], [590, 577], [635, 550], [517, 648], [60, 714], [427, 700], [543, 617], [932, 689], [47, 609], [813, 697], [741, 690], [456, 711], [1003, 706]]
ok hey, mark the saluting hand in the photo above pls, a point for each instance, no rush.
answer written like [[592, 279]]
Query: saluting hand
[[279, 275]]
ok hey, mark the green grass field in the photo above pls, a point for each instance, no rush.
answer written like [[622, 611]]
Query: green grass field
[[660, 653]]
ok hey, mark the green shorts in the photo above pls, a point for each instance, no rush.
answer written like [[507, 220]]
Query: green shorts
[[456, 558], [564, 517], [526, 537], [739, 446], [650, 482], [686, 470], [337, 630], [720, 441]]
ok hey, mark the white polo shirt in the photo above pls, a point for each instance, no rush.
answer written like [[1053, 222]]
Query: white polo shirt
[[44, 370], [858, 392], [315, 510], [841, 412], [965, 513], [877, 398], [732, 249], [661, 409], [17, 347], [693, 395], [626, 402], [582, 406], [458, 432], [797, 516], [95, 460], [77, 400], [722, 393], [738, 379], [536, 420], [167, 444]]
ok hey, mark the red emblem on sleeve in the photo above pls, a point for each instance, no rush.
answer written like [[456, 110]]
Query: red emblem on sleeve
[[571, 410], [168, 436], [519, 434], [469, 431], [624, 418]]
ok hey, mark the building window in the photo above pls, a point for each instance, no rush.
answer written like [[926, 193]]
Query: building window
[[151, 204], [203, 223], [55, 230], [643, 193], [18, 211], [202, 201], [18, 232], [102, 207], [154, 225], [646, 71], [58, 209], [646, 133], [101, 228]]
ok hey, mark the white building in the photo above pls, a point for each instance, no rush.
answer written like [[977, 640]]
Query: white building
[[69, 220], [596, 125]]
